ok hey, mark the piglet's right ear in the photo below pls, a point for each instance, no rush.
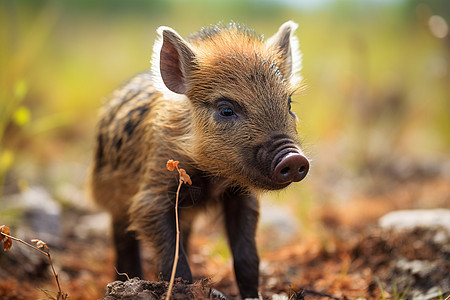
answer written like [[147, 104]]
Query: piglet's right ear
[[176, 60]]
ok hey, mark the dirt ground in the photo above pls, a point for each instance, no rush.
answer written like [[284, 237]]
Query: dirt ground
[[349, 257]]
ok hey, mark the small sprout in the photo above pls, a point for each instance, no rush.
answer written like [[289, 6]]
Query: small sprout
[[7, 241]]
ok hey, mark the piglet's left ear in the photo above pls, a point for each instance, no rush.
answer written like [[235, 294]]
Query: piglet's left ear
[[172, 63], [285, 41], [176, 60]]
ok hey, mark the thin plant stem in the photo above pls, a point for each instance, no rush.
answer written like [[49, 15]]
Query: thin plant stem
[[122, 274], [23, 242], [56, 274], [177, 243], [43, 252]]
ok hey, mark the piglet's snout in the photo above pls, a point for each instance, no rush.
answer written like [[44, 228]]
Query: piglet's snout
[[292, 167]]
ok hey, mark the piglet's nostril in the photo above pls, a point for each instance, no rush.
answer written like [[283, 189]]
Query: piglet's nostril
[[303, 170], [292, 167], [285, 171]]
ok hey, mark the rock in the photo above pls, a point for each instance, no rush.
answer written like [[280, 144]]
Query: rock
[[418, 243], [410, 219], [41, 215], [421, 279]]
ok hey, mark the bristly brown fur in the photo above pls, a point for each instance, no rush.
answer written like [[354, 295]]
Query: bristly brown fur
[[211, 32]]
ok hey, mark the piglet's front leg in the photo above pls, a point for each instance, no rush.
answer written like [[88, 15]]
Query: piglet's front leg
[[241, 217]]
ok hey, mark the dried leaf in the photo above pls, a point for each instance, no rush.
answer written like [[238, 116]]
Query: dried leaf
[[172, 164], [185, 177], [40, 244], [4, 229], [7, 241]]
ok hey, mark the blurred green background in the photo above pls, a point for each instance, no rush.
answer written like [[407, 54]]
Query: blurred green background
[[377, 76]]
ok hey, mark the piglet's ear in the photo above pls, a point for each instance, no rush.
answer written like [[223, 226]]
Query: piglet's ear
[[287, 44], [176, 60]]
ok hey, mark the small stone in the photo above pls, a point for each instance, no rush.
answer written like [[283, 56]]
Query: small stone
[[410, 219]]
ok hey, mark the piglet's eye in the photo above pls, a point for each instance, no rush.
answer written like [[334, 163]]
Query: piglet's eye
[[226, 112], [289, 102]]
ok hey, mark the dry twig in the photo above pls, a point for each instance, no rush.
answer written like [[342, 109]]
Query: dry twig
[[122, 274], [7, 244], [184, 178]]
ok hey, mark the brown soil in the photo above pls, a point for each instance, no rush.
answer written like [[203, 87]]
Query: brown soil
[[349, 257]]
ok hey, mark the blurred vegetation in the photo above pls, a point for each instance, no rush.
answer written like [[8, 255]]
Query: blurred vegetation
[[377, 73]]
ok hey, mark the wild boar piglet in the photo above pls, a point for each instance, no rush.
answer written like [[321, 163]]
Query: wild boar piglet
[[220, 103]]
